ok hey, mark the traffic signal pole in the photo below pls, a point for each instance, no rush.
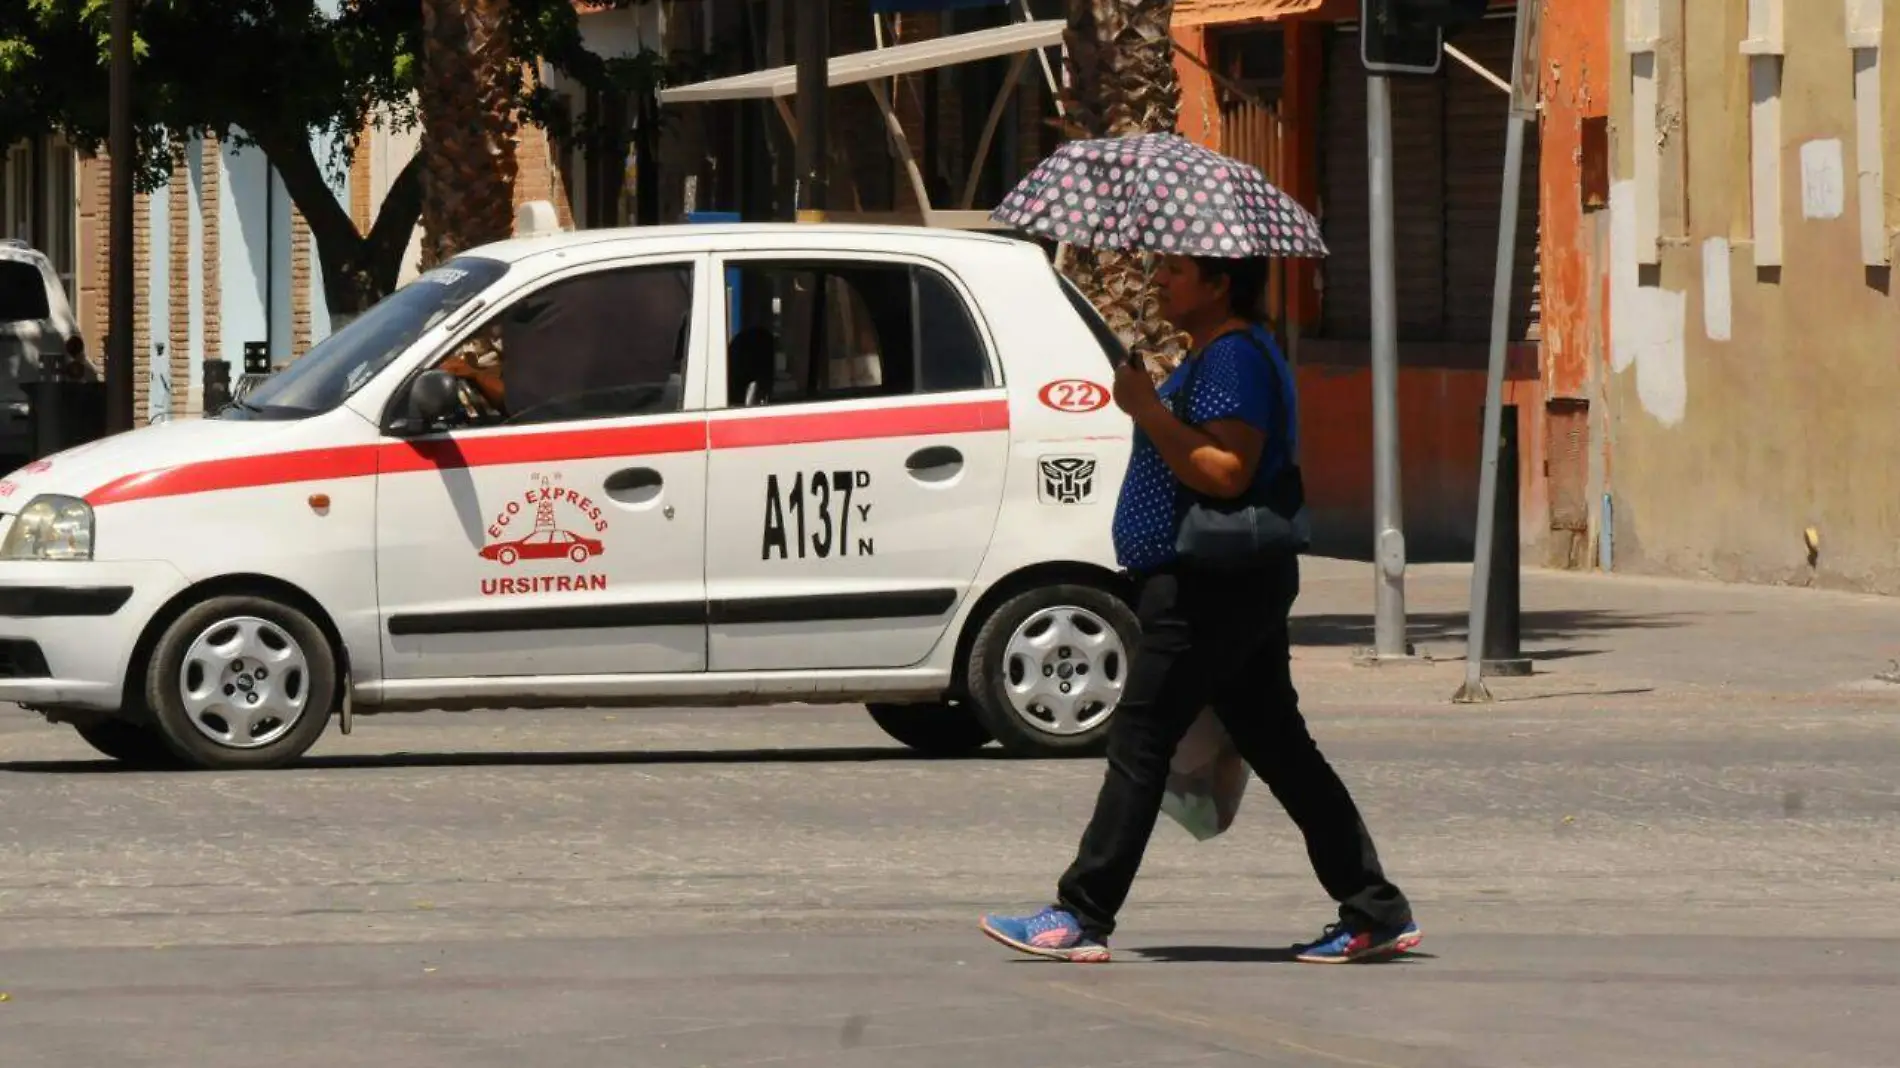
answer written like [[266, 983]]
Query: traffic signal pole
[[1395, 37], [1388, 551]]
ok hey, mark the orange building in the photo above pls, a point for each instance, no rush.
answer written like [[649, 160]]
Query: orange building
[[1279, 83]]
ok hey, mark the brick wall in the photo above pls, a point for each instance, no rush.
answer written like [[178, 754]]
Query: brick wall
[[178, 267], [141, 307], [213, 287], [360, 176], [91, 252], [539, 174], [300, 281], [93, 264]]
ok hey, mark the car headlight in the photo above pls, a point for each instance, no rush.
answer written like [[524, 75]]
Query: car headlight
[[50, 527]]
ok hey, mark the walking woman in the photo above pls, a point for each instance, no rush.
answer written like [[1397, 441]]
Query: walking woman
[[1221, 427]]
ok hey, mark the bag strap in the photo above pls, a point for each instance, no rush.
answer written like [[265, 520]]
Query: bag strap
[[1277, 408]]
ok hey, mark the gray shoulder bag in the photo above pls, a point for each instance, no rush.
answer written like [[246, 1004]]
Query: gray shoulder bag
[[1265, 524]]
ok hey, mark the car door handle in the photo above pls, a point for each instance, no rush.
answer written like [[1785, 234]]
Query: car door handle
[[937, 463], [635, 485]]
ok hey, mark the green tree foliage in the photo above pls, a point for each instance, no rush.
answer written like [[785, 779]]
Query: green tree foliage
[[287, 77]]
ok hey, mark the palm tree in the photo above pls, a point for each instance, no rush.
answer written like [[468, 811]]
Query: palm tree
[[1122, 81], [466, 96]]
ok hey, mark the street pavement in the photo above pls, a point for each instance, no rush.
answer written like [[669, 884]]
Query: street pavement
[[1677, 844]]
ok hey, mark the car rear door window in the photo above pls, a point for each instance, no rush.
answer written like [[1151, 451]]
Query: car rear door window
[[840, 330]]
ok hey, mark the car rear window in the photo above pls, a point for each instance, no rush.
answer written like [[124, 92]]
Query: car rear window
[[844, 329], [1112, 348], [22, 292]]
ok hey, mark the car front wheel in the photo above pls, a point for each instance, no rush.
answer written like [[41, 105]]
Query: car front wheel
[[242, 682], [936, 729], [1048, 666]]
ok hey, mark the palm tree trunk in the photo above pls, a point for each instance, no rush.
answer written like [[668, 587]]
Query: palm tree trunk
[[1122, 81], [466, 95]]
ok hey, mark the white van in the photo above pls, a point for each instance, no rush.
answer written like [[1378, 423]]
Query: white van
[[697, 465]]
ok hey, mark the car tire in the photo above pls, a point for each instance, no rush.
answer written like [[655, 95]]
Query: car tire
[[936, 729], [507, 557], [1018, 652], [131, 744], [214, 656]]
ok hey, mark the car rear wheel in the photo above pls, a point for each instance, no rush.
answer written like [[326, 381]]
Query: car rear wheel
[[1048, 666], [937, 729], [129, 743], [242, 682]]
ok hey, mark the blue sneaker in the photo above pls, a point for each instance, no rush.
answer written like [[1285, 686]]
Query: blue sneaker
[[1052, 933], [1344, 944]]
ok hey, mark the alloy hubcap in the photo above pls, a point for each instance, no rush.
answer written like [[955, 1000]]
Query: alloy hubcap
[[1063, 670], [245, 682]]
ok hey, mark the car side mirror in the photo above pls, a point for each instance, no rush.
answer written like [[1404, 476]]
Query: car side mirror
[[433, 403]]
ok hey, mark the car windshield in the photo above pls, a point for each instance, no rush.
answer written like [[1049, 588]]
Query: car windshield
[[338, 366]]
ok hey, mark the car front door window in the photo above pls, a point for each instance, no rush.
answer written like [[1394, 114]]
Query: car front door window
[[603, 345]]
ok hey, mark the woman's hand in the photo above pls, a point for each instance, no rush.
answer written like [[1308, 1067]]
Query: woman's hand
[[1135, 390]]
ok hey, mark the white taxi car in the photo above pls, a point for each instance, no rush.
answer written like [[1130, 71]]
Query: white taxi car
[[696, 465]]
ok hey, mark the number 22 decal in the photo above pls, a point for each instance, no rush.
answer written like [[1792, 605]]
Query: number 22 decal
[[1073, 395]]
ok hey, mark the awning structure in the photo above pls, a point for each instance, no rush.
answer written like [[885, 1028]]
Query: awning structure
[[1222, 12], [873, 69], [859, 67]]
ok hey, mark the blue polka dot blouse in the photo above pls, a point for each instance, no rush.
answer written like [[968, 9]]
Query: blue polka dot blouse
[[1232, 384]]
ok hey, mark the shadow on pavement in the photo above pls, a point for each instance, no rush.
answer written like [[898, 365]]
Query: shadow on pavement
[[1423, 628], [1245, 955], [820, 755]]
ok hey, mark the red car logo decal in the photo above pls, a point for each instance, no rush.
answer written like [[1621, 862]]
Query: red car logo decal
[[550, 544], [548, 539]]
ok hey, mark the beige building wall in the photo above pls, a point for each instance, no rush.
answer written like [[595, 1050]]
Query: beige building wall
[[1752, 391]]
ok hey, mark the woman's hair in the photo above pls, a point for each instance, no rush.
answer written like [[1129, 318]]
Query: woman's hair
[[1246, 283]]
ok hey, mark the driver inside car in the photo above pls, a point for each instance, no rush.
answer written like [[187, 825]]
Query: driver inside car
[[478, 362]]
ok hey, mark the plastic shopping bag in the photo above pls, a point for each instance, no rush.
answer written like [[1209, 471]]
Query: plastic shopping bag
[[1206, 779]]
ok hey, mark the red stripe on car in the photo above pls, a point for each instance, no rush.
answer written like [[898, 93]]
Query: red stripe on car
[[552, 446], [241, 472], [862, 425]]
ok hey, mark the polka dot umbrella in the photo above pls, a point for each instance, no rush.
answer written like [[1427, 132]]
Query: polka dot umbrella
[[1158, 193]]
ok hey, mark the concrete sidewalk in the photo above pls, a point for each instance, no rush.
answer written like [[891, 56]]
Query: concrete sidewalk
[[1593, 636]]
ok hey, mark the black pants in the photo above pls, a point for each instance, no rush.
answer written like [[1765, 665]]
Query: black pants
[[1220, 640]]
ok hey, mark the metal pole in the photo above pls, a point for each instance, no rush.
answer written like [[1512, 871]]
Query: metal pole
[[814, 46], [1388, 536], [1522, 111], [119, 225]]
